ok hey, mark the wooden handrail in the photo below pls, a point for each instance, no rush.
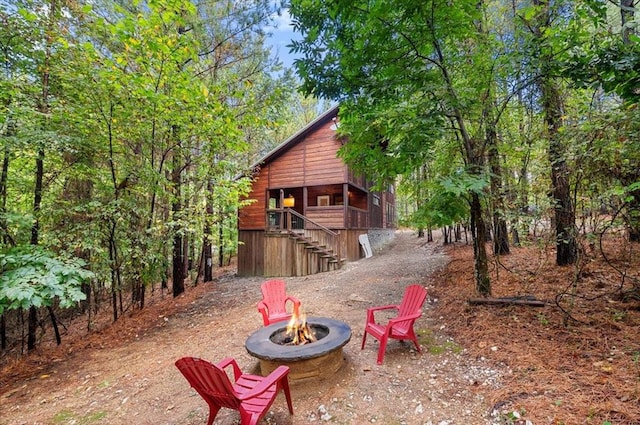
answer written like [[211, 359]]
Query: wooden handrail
[[308, 220], [285, 223]]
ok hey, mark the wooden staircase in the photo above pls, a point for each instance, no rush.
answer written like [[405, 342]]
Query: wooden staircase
[[316, 248], [327, 259]]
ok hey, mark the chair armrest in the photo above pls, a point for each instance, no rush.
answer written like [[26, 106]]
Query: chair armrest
[[293, 299], [372, 310], [296, 304], [230, 361], [264, 311], [407, 317], [383, 307], [279, 373]]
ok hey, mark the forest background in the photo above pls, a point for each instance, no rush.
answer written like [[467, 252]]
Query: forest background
[[125, 124]]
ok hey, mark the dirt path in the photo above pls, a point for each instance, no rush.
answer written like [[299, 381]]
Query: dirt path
[[137, 383]]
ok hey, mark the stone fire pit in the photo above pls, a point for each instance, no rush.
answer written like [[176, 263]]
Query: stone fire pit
[[314, 360]]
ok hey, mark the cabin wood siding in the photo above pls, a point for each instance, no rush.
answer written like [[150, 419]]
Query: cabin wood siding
[[288, 169], [311, 162], [329, 217], [250, 253], [252, 217], [322, 163]]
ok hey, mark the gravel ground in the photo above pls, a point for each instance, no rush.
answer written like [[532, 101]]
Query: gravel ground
[[135, 381]]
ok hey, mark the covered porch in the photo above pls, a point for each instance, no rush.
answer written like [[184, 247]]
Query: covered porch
[[336, 207]]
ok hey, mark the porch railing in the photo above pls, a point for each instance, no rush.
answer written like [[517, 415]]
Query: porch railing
[[357, 218], [291, 221]]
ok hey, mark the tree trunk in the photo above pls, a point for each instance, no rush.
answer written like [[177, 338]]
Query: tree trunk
[[6, 237], [564, 217], [563, 206], [474, 158], [207, 255], [54, 323], [37, 197], [500, 235], [33, 325], [478, 230], [207, 258], [3, 332], [176, 208], [178, 266], [500, 232], [186, 254], [221, 241], [114, 298], [115, 266]]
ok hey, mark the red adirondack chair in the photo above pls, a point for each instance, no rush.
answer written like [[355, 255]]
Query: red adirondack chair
[[273, 306], [399, 327], [251, 395]]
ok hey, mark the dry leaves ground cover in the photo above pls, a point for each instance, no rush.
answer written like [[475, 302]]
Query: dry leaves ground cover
[[575, 361], [479, 365]]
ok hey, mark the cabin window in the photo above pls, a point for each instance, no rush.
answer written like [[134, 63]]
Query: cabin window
[[323, 200], [376, 200]]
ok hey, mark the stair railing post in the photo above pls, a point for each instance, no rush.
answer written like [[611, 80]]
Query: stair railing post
[[339, 243]]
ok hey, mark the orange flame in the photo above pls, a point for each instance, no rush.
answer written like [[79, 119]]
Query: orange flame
[[298, 330]]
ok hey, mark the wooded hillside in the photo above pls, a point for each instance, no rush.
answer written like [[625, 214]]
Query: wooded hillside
[[123, 126]]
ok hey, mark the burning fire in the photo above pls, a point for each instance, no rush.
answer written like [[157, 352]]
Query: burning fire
[[298, 332]]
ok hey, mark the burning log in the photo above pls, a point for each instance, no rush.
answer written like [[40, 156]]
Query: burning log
[[298, 332]]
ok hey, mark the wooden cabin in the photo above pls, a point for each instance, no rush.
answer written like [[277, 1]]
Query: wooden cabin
[[309, 210]]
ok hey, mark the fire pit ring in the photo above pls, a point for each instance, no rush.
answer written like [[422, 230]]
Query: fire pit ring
[[318, 359]]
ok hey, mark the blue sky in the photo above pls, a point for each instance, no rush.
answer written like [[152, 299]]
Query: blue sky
[[282, 35]]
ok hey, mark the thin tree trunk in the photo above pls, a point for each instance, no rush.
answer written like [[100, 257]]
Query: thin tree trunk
[[499, 224], [564, 217], [207, 256], [221, 241], [6, 237], [208, 237], [113, 260], [3, 332], [500, 232], [31, 331], [176, 208], [178, 266], [37, 197], [54, 323]]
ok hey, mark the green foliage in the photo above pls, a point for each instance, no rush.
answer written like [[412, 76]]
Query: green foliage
[[33, 277], [388, 139], [607, 62]]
